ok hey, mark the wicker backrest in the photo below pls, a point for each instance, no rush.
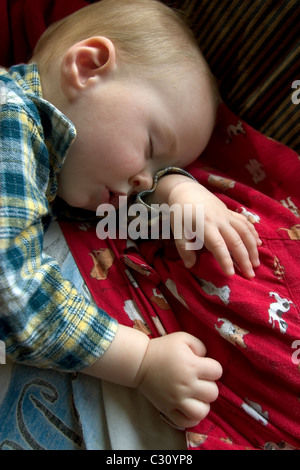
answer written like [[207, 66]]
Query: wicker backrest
[[253, 48]]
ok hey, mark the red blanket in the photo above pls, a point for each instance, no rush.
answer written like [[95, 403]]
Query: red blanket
[[251, 327]]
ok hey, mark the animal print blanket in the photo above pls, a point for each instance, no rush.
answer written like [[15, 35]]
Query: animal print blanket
[[251, 326]]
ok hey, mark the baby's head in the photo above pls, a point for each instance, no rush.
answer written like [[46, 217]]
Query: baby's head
[[150, 38], [128, 73]]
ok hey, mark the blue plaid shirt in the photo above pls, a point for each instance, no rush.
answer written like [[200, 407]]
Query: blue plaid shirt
[[43, 319]]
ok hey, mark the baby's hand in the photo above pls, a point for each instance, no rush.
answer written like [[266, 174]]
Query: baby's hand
[[227, 234], [177, 379]]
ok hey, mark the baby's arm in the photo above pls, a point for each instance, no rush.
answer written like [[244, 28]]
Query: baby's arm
[[227, 234], [171, 371]]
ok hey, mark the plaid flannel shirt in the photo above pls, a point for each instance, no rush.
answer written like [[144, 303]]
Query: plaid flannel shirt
[[43, 319]]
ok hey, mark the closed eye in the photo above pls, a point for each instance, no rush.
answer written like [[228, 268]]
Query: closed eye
[[151, 148]]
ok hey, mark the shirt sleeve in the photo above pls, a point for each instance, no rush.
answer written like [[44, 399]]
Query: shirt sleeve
[[155, 215], [166, 171], [43, 320]]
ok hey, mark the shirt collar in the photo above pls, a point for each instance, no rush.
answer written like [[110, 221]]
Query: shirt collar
[[59, 131]]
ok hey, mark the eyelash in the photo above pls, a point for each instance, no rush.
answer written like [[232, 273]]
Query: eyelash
[[151, 148]]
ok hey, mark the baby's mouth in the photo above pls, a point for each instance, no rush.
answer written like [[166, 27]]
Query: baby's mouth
[[117, 199]]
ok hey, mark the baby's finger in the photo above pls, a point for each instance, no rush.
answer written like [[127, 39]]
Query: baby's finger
[[206, 391], [194, 409], [249, 237], [250, 226], [196, 346], [251, 247], [191, 418], [239, 252], [215, 243], [209, 369]]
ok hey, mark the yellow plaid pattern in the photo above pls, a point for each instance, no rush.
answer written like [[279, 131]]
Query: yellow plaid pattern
[[43, 319]]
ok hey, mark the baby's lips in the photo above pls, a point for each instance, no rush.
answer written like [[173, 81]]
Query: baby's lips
[[117, 199]]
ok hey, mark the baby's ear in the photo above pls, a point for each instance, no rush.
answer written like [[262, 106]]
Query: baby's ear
[[85, 62]]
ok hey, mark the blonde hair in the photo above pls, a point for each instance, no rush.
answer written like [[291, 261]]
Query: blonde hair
[[148, 36]]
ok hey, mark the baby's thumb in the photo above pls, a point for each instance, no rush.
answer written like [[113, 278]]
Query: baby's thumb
[[196, 345]]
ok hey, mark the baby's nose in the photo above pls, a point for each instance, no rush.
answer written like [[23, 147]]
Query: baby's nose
[[142, 181]]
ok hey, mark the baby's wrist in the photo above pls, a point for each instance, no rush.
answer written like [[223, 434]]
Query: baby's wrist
[[142, 369], [122, 361], [134, 349], [168, 184]]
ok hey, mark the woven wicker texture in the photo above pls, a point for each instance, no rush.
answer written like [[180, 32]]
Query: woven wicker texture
[[253, 48]]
